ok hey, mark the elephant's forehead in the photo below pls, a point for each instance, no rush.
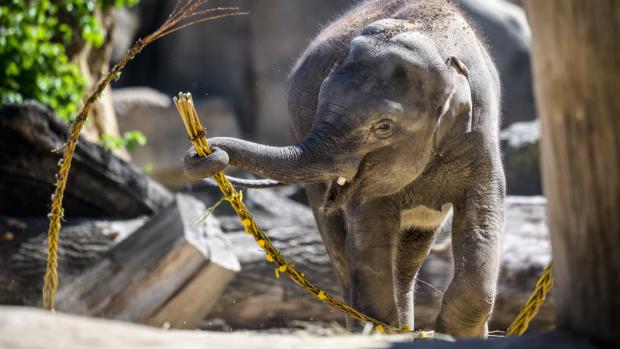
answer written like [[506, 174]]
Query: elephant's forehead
[[405, 48], [388, 27]]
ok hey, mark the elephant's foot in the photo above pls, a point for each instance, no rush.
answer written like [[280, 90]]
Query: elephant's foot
[[464, 319]]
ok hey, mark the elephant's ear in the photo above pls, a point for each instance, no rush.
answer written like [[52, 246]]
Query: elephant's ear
[[456, 113]]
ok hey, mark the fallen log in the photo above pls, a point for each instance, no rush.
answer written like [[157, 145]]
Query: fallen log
[[256, 299], [29, 134], [23, 252], [171, 270]]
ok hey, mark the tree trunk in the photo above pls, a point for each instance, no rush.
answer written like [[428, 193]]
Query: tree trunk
[[576, 56]]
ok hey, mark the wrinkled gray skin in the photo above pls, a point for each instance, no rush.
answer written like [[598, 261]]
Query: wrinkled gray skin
[[402, 99]]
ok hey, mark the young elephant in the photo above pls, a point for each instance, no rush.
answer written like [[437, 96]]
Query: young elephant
[[395, 108]]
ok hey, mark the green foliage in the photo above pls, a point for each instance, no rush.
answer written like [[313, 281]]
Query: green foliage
[[130, 141], [33, 60], [147, 168]]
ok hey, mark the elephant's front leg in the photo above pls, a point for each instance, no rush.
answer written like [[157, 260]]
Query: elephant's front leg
[[410, 249], [371, 228], [476, 237]]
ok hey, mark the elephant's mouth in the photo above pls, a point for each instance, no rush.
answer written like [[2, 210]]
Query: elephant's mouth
[[338, 193]]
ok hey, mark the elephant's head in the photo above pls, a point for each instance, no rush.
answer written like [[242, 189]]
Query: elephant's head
[[383, 111]]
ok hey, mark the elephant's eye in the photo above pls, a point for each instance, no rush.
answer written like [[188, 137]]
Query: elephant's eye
[[385, 128]]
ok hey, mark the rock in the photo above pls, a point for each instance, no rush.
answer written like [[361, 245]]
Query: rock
[[504, 27], [30, 133], [520, 151], [166, 136], [170, 271], [256, 299], [128, 98]]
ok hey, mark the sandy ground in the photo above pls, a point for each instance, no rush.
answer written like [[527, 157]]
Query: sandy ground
[[29, 328]]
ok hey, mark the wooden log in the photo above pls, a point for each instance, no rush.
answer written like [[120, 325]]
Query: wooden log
[[576, 56], [156, 275], [29, 133], [256, 299], [23, 252]]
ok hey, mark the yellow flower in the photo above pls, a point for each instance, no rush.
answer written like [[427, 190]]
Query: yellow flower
[[379, 329], [246, 222], [269, 258], [322, 295], [280, 269], [261, 243]]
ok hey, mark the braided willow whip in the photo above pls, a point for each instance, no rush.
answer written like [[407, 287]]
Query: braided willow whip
[[520, 324], [185, 13], [197, 135]]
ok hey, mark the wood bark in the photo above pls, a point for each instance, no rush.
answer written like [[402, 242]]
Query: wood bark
[[23, 252], [576, 56], [99, 185], [156, 274]]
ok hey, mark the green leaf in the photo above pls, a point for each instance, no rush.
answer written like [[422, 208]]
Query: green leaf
[[33, 59], [133, 139]]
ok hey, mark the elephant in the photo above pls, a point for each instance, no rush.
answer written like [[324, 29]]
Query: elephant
[[394, 111]]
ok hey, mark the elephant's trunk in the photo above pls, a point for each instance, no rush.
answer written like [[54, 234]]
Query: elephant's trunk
[[311, 160]]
